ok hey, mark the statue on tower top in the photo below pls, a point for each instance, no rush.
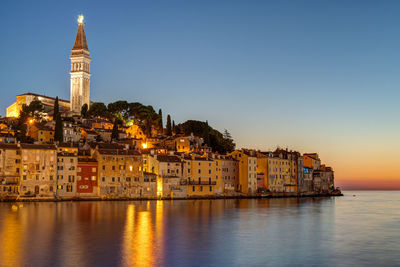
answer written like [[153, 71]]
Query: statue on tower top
[[80, 19]]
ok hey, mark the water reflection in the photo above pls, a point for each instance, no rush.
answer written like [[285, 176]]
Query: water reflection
[[202, 232], [10, 241]]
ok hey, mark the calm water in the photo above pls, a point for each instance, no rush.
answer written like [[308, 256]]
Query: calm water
[[350, 230]]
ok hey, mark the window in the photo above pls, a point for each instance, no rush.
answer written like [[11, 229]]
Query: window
[[201, 188], [113, 168], [188, 170], [93, 178], [199, 171], [209, 171], [113, 179], [24, 177], [104, 167], [193, 188], [210, 188], [103, 179]]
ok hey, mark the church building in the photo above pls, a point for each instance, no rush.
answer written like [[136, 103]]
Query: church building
[[79, 82]]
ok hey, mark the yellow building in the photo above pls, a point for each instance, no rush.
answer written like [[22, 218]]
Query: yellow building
[[10, 167], [182, 144], [247, 178], [312, 161], [284, 171], [262, 167], [168, 169], [25, 99], [38, 170], [201, 173], [41, 134], [134, 131], [120, 171]]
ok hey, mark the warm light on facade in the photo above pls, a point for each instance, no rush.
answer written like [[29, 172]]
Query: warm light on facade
[[144, 145]]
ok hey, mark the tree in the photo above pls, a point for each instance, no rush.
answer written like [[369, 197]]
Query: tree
[[160, 120], [229, 144], [84, 110], [173, 126], [56, 109], [206, 134], [114, 134], [222, 143], [58, 135], [34, 110], [169, 126], [119, 108], [98, 109]]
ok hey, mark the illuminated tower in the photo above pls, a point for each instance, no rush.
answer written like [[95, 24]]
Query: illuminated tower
[[80, 70]]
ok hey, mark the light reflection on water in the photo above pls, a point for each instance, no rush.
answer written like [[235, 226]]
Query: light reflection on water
[[360, 230]]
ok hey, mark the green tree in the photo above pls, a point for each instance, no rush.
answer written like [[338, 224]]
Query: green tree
[[169, 126], [160, 120], [84, 110], [58, 135], [34, 110], [217, 141], [206, 134], [114, 133], [56, 109], [98, 109], [119, 109]]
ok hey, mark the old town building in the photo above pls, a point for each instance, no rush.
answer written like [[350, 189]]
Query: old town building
[[38, 170], [67, 164], [10, 168], [201, 173], [247, 178]]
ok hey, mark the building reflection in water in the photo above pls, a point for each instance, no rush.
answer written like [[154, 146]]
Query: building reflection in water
[[141, 235], [10, 240]]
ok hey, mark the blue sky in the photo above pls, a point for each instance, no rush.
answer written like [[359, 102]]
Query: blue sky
[[309, 75]]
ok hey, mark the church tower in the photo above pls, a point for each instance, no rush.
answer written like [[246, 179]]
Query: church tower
[[80, 70]]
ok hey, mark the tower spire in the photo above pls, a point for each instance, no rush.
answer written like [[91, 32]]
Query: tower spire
[[80, 70], [80, 39]]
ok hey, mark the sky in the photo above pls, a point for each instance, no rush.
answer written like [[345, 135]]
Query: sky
[[313, 76]]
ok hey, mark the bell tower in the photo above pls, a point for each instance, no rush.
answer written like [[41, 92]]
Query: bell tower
[[80, 70]]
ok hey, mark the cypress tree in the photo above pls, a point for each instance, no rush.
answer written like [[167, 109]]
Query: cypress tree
[[207, 134], [173, 126], [114, 134], [84, 110], [56, 109], [160, 120], [58, 135], [169, 126]]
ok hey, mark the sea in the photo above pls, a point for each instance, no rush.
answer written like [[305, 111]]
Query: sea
[[361, 228]]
